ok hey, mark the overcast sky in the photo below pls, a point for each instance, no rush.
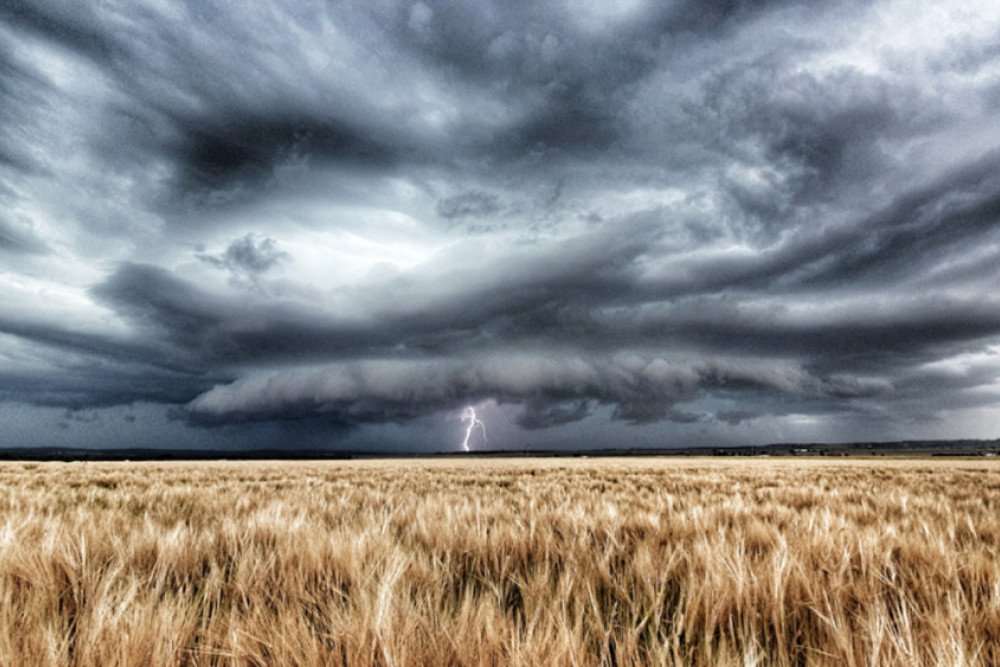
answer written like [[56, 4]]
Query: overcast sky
[[598, 222]]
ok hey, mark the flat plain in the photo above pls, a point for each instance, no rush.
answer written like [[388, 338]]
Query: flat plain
[[501, 561]]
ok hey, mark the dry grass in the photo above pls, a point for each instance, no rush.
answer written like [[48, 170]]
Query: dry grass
[[501, 562]]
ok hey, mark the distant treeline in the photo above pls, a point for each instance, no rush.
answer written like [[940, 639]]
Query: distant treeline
[[899, 448]]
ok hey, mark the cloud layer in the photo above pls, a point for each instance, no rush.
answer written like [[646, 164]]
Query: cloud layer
[[693, 222]]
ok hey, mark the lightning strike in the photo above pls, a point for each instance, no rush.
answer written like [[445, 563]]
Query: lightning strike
[[474, 421]]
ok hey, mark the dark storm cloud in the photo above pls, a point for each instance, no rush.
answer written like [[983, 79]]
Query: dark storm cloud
[[93, 386], [539, 414], [550, 301], [734, 417], [247, 258], [930, 227], [228, 116], [558, 387], [835, 358], [237, 148], [475, 203], [75, 25], [906, 327], [824, 130], [507, 298], [553, 388], [924, 227], [77, 370], [230, 113], [194, 329], [722, 214], [565, 85]]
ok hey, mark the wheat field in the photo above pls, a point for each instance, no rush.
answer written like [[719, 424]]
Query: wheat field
[[494, 562]]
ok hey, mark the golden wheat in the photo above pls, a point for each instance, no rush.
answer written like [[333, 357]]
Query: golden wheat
[[477, 562]]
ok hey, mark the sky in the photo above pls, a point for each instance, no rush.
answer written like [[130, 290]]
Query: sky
[[340, 224]]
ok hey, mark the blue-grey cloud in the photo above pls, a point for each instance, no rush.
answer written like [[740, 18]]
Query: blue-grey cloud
[[724, 220]]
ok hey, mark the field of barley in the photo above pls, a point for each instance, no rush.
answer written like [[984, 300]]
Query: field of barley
[[495, 562]]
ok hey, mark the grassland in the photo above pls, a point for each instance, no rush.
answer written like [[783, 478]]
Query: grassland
[[535, 562]]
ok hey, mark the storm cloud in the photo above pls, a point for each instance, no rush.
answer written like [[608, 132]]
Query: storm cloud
[[600, 223]]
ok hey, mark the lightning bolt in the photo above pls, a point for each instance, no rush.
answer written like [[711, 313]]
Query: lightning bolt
[[474, 421]]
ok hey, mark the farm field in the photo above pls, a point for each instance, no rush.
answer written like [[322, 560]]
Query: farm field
[[501, 561]]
